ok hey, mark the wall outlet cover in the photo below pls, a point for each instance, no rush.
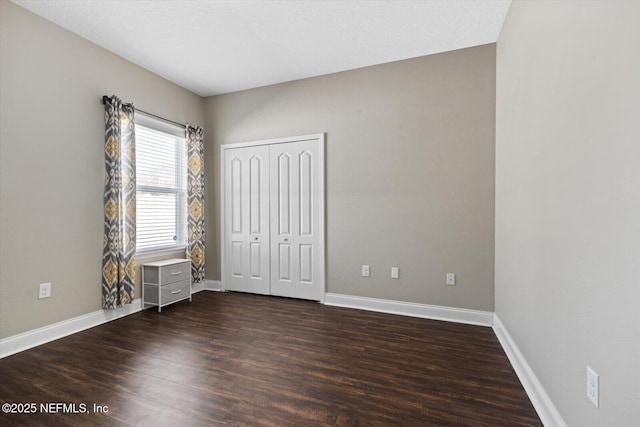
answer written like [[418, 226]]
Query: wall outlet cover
[[44, 290], [593, 386], [366, 272]]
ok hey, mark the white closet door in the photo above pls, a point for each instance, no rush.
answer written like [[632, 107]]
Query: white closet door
[[246, 227], [296, 250]]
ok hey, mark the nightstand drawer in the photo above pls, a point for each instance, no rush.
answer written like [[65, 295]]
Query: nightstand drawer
[[175, 292], [175, 273]]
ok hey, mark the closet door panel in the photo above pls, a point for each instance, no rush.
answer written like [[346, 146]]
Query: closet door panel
[[284, 262], [306, 193], [295, 210], [246, 201], [283, 183], [306, 263]]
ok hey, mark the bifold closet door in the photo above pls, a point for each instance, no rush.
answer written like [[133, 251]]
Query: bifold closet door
[[246, 221], [296, 250], [273, 219]]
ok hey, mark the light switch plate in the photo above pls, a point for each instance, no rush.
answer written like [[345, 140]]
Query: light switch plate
[[451, 279], [395, 272]]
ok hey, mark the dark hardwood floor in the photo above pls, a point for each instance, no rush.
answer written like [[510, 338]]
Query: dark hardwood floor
[[236, 359]]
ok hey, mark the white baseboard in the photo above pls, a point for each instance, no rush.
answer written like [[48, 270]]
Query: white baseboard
[[540, 400], [206, 285], [435, 312], [212, 285], [17, 343], [197, 287], [36, 337]]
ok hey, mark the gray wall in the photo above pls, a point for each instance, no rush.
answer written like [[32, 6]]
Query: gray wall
[[568, 201], [409, 167], [409, 171], [52, 162]]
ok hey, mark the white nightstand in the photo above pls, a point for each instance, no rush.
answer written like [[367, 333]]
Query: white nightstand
[[165, 282]]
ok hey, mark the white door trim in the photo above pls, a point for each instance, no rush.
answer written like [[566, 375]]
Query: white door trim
[[272, 141], [320, 137]]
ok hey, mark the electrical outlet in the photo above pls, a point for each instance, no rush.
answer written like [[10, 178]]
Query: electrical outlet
[[593, 386], [365, 271], [44, 290], [395, 272], [451, 279]]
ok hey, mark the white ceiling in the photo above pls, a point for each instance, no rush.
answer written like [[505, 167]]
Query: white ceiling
[[218, 46]]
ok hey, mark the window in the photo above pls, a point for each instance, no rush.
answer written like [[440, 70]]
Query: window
[[161, 184]]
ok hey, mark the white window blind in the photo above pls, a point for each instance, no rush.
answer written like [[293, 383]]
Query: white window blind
[[161, 184]]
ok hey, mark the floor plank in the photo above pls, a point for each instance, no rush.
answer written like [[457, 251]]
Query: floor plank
[[233, 359]]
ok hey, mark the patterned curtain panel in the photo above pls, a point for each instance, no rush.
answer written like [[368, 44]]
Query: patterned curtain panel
[[119, 242], [195, 188]]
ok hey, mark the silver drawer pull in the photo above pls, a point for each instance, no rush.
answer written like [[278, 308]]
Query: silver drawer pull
[[176, 292], [176, 273]]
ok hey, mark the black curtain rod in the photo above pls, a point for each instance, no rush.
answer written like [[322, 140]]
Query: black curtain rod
[[105, 99]]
